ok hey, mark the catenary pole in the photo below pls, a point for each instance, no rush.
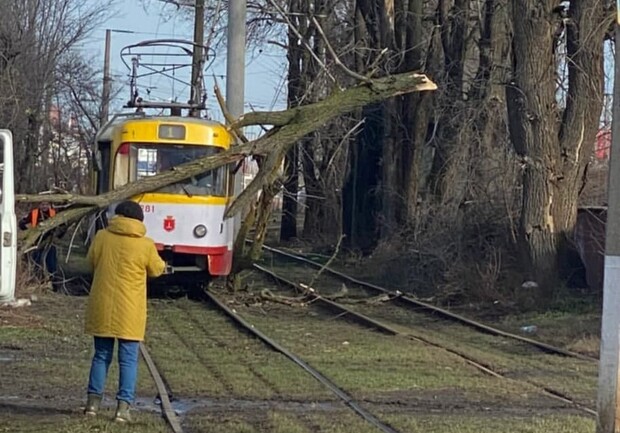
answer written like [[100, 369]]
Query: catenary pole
[[235, 75], [107, 80], [107, 77], [608, 419]]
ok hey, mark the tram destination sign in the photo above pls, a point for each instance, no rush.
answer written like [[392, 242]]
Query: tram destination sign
[[171, 132]]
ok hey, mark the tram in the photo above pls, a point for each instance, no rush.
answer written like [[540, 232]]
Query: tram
[[185, 219]]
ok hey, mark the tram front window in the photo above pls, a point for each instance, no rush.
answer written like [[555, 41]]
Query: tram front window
[[154, 159]]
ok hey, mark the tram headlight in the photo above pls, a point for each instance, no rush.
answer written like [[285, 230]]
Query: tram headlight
[[200, 231]]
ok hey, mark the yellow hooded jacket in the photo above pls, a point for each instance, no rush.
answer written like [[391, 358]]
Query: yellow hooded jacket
[[121, 258]]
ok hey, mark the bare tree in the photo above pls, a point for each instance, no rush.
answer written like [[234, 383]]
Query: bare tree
[[264, 22], [36, 35], [319, 47], [296, 53], [72, 123], [553, 141]]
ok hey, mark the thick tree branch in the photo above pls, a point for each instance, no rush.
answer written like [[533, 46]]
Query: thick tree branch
[[354, 97], [294, 124]]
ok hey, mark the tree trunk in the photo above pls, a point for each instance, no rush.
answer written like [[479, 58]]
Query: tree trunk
[[288, 223], [362, 197], [362, 201], [452, 145], [295, 52], [554, 144], [404, 28], [323, 183], [264, 209]]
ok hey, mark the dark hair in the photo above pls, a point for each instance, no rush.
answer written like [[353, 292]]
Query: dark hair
[[130, 209]]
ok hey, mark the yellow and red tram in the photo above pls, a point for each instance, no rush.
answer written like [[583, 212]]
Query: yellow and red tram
[[185, 219]]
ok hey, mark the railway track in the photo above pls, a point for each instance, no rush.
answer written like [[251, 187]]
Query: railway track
[[343, 311], [396, 296], [211, 300], [346, 312], [347, 399], [163, 391]]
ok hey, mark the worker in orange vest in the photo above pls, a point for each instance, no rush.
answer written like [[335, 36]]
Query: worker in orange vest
[[44, 257], [37, 215]]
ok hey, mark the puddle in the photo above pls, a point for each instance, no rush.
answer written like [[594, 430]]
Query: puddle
[[182, 406]]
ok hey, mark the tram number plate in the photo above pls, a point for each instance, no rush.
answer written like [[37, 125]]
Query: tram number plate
[[148, 208]]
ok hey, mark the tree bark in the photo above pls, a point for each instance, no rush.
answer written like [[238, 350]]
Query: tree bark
[[554, 143], [452, 145], [295, 52], [411, 119], [362, 200]]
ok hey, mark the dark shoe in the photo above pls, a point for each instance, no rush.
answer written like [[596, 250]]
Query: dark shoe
[[122, 412], [93, 402]]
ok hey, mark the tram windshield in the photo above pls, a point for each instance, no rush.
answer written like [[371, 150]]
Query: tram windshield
[[151, 159]]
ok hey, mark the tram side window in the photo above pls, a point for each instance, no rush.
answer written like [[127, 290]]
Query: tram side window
[[147, 162]]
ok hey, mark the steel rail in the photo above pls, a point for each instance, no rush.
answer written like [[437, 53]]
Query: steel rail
[[339, 392], [166, 407], [397, 296], [373, 323]]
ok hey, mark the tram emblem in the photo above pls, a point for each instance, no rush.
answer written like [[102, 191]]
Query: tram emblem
[[169, 223]]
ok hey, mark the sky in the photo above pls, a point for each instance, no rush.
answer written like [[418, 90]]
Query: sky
[[265, 84]]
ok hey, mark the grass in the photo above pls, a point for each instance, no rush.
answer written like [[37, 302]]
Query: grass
[[372, 364], [346, 422], [576, 330], [492, 424], [202, 353], [280, 422], [44, 384], [571, 319], [43, 419], [514, 359]]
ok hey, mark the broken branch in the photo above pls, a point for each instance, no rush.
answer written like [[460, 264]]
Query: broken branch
[[294, 124]]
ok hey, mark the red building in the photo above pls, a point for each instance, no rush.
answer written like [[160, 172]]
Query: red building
[[603, 144]]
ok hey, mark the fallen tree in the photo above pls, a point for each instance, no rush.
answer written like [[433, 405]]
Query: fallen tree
[[288, 126]]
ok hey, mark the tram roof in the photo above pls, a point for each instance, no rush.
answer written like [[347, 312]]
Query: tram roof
[[105, 134]]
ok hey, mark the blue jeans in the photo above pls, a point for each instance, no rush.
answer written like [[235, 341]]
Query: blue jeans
[[127, 363]]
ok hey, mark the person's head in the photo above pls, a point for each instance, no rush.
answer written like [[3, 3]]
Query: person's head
[[165, 162], [130, 209], [44, 206]]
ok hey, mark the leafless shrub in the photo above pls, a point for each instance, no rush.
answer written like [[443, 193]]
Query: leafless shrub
[[26, 283], [464, 252], [35, 37]]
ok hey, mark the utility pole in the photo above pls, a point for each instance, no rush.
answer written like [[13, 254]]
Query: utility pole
[[235, 75], [608, 406], [107, 80], [198, 54]]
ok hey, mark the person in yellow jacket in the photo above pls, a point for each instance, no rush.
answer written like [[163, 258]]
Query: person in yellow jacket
[[121, 258]]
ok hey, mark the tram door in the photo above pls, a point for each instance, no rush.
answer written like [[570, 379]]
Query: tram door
[[8, 223]]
